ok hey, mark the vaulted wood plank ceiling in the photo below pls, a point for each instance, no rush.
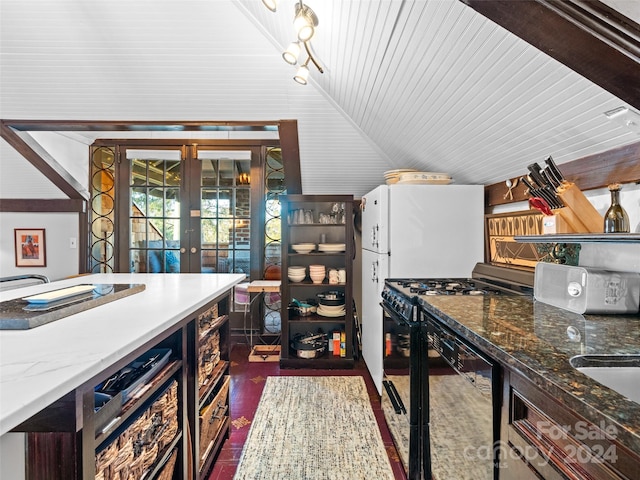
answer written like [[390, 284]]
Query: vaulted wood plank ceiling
[[432, 85]]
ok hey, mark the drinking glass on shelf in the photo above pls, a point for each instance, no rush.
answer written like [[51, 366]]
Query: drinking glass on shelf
[[308, 216]]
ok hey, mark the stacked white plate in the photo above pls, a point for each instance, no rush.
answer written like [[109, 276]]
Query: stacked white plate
[[424, 178], [392, 176], [331, 310], [296, 274], [317, 273], [331, 247], [303, 247]]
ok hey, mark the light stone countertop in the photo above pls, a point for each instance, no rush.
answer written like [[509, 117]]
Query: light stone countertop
[[40, 365]]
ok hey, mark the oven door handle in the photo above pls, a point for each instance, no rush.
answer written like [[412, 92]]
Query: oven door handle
[[397, 404], [397, 395]]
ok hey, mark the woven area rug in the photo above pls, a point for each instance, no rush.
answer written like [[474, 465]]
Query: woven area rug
[[314, 428]]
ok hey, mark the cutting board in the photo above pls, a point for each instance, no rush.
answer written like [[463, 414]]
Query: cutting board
[[36, 310]]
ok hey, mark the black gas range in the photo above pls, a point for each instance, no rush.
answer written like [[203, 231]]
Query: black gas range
[[402, 295], [415, 344]]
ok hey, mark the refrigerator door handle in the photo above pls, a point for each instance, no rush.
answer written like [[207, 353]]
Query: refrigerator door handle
[[374, 272], [374, 235]]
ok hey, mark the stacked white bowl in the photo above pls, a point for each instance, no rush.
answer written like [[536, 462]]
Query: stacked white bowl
[[331, 310], [317, 273], [392, 176], [303, 247], [296, 274]]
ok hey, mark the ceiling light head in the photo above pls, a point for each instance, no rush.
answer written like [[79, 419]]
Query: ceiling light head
[[271, 4], [292, 52], [305, 22], [625, 117], [302, 75]]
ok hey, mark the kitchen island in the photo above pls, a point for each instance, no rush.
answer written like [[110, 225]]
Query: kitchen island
[[59, 363], [534, 342]]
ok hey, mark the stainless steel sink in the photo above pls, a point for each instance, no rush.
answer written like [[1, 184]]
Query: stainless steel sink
[[618, 372]]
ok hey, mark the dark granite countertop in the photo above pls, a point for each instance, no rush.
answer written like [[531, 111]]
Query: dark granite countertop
[[531, 338]]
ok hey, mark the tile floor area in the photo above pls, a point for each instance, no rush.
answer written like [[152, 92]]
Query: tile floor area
[[247, 382]]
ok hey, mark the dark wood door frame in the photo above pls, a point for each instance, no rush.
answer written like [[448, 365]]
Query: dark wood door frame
[[15, 133]]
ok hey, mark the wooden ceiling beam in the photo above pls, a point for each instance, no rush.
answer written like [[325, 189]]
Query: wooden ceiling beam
[[587, 36], [37, 205]]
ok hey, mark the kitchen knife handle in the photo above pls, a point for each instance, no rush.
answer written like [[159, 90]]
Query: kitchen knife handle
[[551, 164], [548, 195], [546, 189], [528, 184], [551, 181], [536, 176]]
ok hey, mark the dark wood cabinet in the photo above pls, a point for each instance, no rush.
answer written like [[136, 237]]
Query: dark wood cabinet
[[172, 426], [541, 438], [212, 425], [326, 223]]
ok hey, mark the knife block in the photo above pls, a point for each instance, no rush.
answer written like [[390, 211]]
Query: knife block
[[579, 213], [569, 221], [554, 224]]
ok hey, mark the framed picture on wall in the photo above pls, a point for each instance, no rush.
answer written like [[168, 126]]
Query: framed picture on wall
[[30, 247]]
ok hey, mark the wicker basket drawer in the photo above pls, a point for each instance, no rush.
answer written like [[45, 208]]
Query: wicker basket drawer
[[213, 417], [136, 449], [207, 318], [166, 473], [208, 355]]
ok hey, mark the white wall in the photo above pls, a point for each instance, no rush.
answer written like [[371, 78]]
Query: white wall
[[61, 260], [614, 256], [71, 152]]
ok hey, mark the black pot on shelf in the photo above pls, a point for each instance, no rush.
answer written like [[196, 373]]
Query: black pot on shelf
[[331, 298], [309, 345]]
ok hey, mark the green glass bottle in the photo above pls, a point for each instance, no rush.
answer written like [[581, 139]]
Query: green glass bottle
[[616, 219]]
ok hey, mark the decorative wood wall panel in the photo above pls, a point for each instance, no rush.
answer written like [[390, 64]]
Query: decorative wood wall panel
[[619, 165]]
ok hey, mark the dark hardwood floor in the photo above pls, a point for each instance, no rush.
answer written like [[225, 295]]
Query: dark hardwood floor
[[247, 382]]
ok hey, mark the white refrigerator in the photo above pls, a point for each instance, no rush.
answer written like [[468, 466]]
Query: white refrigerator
[[419, 231]]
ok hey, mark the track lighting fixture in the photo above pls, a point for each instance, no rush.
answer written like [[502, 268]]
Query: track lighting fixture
[[292, 53], [305, 22], [271, 4], [302, 75]]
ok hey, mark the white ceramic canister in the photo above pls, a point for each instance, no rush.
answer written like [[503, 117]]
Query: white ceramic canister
[[333, 277], [342, 276]]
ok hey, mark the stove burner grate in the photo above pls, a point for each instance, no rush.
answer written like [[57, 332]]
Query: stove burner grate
[[447, 286]]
